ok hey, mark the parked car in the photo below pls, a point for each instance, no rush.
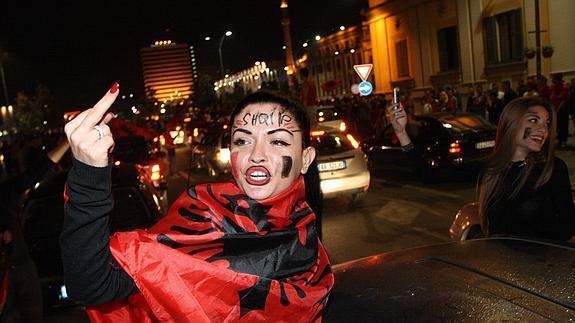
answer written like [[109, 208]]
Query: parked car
[[485, 280], [137, 204], [466, 224], [444, 142], [212, 152], [138, 150], [342, 165]]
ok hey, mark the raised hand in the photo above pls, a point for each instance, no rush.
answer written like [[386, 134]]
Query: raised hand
[[398, 117], [88, 133]]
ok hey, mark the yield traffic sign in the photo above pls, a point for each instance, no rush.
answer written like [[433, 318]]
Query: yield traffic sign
[[363, 70]]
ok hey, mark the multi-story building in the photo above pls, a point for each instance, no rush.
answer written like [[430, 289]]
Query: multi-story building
[[419, 44], [330, 60], [168, 71]]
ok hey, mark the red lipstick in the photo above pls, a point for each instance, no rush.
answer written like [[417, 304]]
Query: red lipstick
[[258, 175]]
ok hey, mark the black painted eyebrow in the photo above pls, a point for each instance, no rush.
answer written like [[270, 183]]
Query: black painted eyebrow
[[271, 132], [242, 130]]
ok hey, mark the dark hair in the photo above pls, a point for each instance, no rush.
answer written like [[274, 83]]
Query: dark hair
[[311, 178], [304, 72]]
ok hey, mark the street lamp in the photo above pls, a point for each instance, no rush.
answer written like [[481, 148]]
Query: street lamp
[[226, 34]]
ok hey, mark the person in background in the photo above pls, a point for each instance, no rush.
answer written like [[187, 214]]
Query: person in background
[[243, 249], [23, 302], [508, 93], [524, 189], [494, 107], [559, 97], [308, 94], [572, 101], [479, 102]]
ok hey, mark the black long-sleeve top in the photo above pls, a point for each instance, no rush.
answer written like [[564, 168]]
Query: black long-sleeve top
[[546, 212], [91, 274]]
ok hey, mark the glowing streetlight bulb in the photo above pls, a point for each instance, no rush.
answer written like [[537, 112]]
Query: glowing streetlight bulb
[[317, 37], [207, 38], [341, 27], [304, 45], [228, 33]]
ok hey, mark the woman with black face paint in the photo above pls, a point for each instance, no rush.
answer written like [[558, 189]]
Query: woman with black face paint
[[243, 250], [524, 189]]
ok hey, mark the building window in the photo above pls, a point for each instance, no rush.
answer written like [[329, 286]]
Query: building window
[[503, 37], [448, 49], [402, 58]]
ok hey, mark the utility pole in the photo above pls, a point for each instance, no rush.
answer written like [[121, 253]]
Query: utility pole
[[537, 40], [2, 56]]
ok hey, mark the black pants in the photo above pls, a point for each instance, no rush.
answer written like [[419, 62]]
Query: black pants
[[24, 301]]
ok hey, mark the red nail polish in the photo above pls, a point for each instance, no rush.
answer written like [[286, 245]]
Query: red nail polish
[[114, 87]]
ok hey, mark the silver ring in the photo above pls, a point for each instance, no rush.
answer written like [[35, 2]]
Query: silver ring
[[100, 131]]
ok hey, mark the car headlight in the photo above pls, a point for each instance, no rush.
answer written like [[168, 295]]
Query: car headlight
[[223, 155]]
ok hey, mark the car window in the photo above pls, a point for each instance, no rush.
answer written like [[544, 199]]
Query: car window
[[329, 114], [329, 144], [131, 150], [464, 123], [129, 211], [43, 216]]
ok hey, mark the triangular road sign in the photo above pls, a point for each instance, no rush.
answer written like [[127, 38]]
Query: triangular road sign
[[363, 70]]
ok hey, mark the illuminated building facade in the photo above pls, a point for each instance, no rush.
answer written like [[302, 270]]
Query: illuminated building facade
[[169, 71], [419, 44], [330, 60], [251, 79]]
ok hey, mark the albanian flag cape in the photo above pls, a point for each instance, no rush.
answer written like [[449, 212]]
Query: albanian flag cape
[[220, 256]]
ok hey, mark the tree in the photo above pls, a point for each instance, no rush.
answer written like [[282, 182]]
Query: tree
[[205, 95], [33, 114]]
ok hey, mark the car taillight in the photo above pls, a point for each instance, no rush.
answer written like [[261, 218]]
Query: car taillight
[[223, 155], [454, 148], [155, 172], [354, 142], [342, 126]]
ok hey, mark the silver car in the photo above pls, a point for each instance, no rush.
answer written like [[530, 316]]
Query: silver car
[[342, 165]]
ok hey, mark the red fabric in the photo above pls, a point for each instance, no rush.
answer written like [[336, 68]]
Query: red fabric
[[4, 285], [219, 256]]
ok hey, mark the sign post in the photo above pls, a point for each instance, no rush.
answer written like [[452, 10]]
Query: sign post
[[363, 70]]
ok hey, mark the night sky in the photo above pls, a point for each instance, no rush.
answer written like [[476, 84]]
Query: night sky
[[79, 49]]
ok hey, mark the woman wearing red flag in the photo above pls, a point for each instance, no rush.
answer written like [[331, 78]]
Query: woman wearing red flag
[[243, 250]]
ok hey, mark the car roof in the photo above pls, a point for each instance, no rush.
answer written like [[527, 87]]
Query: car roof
[[493, 279]]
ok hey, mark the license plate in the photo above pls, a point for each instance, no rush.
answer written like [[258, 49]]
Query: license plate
[[485, 144], [335, 165]]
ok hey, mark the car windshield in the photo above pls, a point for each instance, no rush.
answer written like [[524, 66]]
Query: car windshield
[[329, 144], [329, 114]]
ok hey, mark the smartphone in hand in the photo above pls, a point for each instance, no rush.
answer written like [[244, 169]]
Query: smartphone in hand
[[395, 102]]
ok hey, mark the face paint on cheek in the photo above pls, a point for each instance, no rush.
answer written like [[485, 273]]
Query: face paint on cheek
[[286, 168], [235, 166], [527, 132]]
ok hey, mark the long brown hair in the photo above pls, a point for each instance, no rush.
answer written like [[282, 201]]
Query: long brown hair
[[499, 161]]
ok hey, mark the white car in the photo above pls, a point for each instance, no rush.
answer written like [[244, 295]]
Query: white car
[[341, 163], [327, 117]]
